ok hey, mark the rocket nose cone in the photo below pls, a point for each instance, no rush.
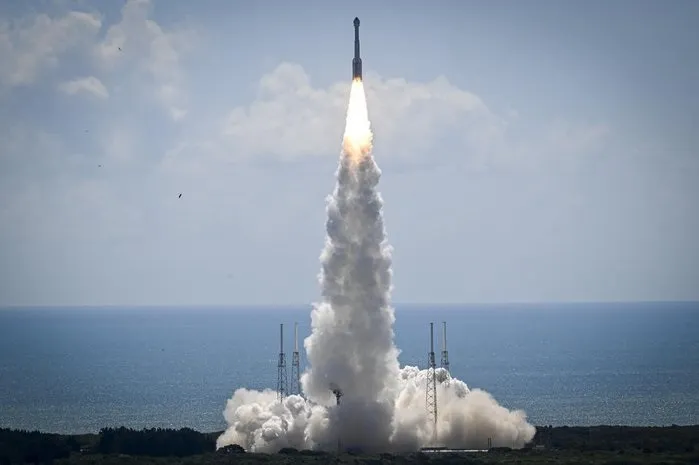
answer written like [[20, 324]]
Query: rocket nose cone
[[356, 22]]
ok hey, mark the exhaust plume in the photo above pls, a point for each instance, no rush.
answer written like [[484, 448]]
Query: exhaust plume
[[351, 349], [351, 344]]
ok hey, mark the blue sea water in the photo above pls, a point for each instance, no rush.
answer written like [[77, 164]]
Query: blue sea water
[[72, 370]]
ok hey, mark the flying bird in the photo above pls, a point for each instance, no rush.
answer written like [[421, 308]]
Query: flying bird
[[179, 196]]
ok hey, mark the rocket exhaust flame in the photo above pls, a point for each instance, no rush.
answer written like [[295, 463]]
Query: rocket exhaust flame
[[358, 138], [351, 352]]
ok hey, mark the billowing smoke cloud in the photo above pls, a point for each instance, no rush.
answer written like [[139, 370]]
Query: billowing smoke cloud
[[351, 349]]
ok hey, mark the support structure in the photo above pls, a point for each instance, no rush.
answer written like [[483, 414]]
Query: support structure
[[295, 364], [431, 391], [281, 367], [338, 394], [445, 354]]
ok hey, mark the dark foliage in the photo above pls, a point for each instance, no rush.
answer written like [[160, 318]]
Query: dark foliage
[[315, 453], [17, 446], [500, 449], [574, 445], [614, 438], [231, 449], [288, 451], [155, 442]]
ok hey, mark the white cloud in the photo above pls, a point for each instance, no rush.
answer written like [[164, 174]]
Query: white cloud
[[136, 44], [138, 40], [290, 118], [89, 85], [28, 46], [417, 124]]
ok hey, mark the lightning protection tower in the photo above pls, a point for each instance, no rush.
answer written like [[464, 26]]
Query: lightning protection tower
[[281, 366], [296, 364], [431, 391], [445, 354]]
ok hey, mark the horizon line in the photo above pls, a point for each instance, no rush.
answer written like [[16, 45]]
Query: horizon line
[[298, 306]]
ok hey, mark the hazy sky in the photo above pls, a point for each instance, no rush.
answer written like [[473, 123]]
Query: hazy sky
[[531, 151]]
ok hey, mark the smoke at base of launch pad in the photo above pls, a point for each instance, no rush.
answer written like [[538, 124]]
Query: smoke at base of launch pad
[[351, 345]]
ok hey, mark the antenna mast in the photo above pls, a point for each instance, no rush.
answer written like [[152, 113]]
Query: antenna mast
[[445, 354]]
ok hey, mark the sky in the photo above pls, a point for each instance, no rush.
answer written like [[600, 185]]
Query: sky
[[538, 151]]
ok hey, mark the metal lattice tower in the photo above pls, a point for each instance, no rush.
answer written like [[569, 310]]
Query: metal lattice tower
[[296, 364], [431, 391], [281, 366], [445, 354]]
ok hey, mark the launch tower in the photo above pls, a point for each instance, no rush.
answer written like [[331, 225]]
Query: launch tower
[[431, 391], [296, 364], [281, 366]]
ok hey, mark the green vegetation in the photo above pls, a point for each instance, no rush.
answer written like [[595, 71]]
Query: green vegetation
[[611, 445]]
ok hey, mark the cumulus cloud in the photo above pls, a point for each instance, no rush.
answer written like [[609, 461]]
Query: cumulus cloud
[[29, 45], [417, 124], [135, 45], [137, 39], [89, 85], [290, 118]]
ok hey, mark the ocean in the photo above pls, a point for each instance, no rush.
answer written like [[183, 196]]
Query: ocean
[[74, 370]]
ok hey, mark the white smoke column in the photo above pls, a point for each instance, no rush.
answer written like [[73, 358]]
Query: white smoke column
[[351, 346]]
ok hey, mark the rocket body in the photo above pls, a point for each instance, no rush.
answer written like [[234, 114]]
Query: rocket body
[[356, 61]]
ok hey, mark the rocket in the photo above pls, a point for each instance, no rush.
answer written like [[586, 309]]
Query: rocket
[[356, 61]]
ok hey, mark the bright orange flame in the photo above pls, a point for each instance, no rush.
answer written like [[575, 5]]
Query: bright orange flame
[[358, 137]]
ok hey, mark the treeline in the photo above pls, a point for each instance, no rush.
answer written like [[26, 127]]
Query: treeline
[[154, 442], [18, 446], [619, 438]]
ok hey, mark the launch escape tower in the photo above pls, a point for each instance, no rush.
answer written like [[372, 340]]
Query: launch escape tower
[[444, 362], [431, 391], [295, 364], [281, 366]]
